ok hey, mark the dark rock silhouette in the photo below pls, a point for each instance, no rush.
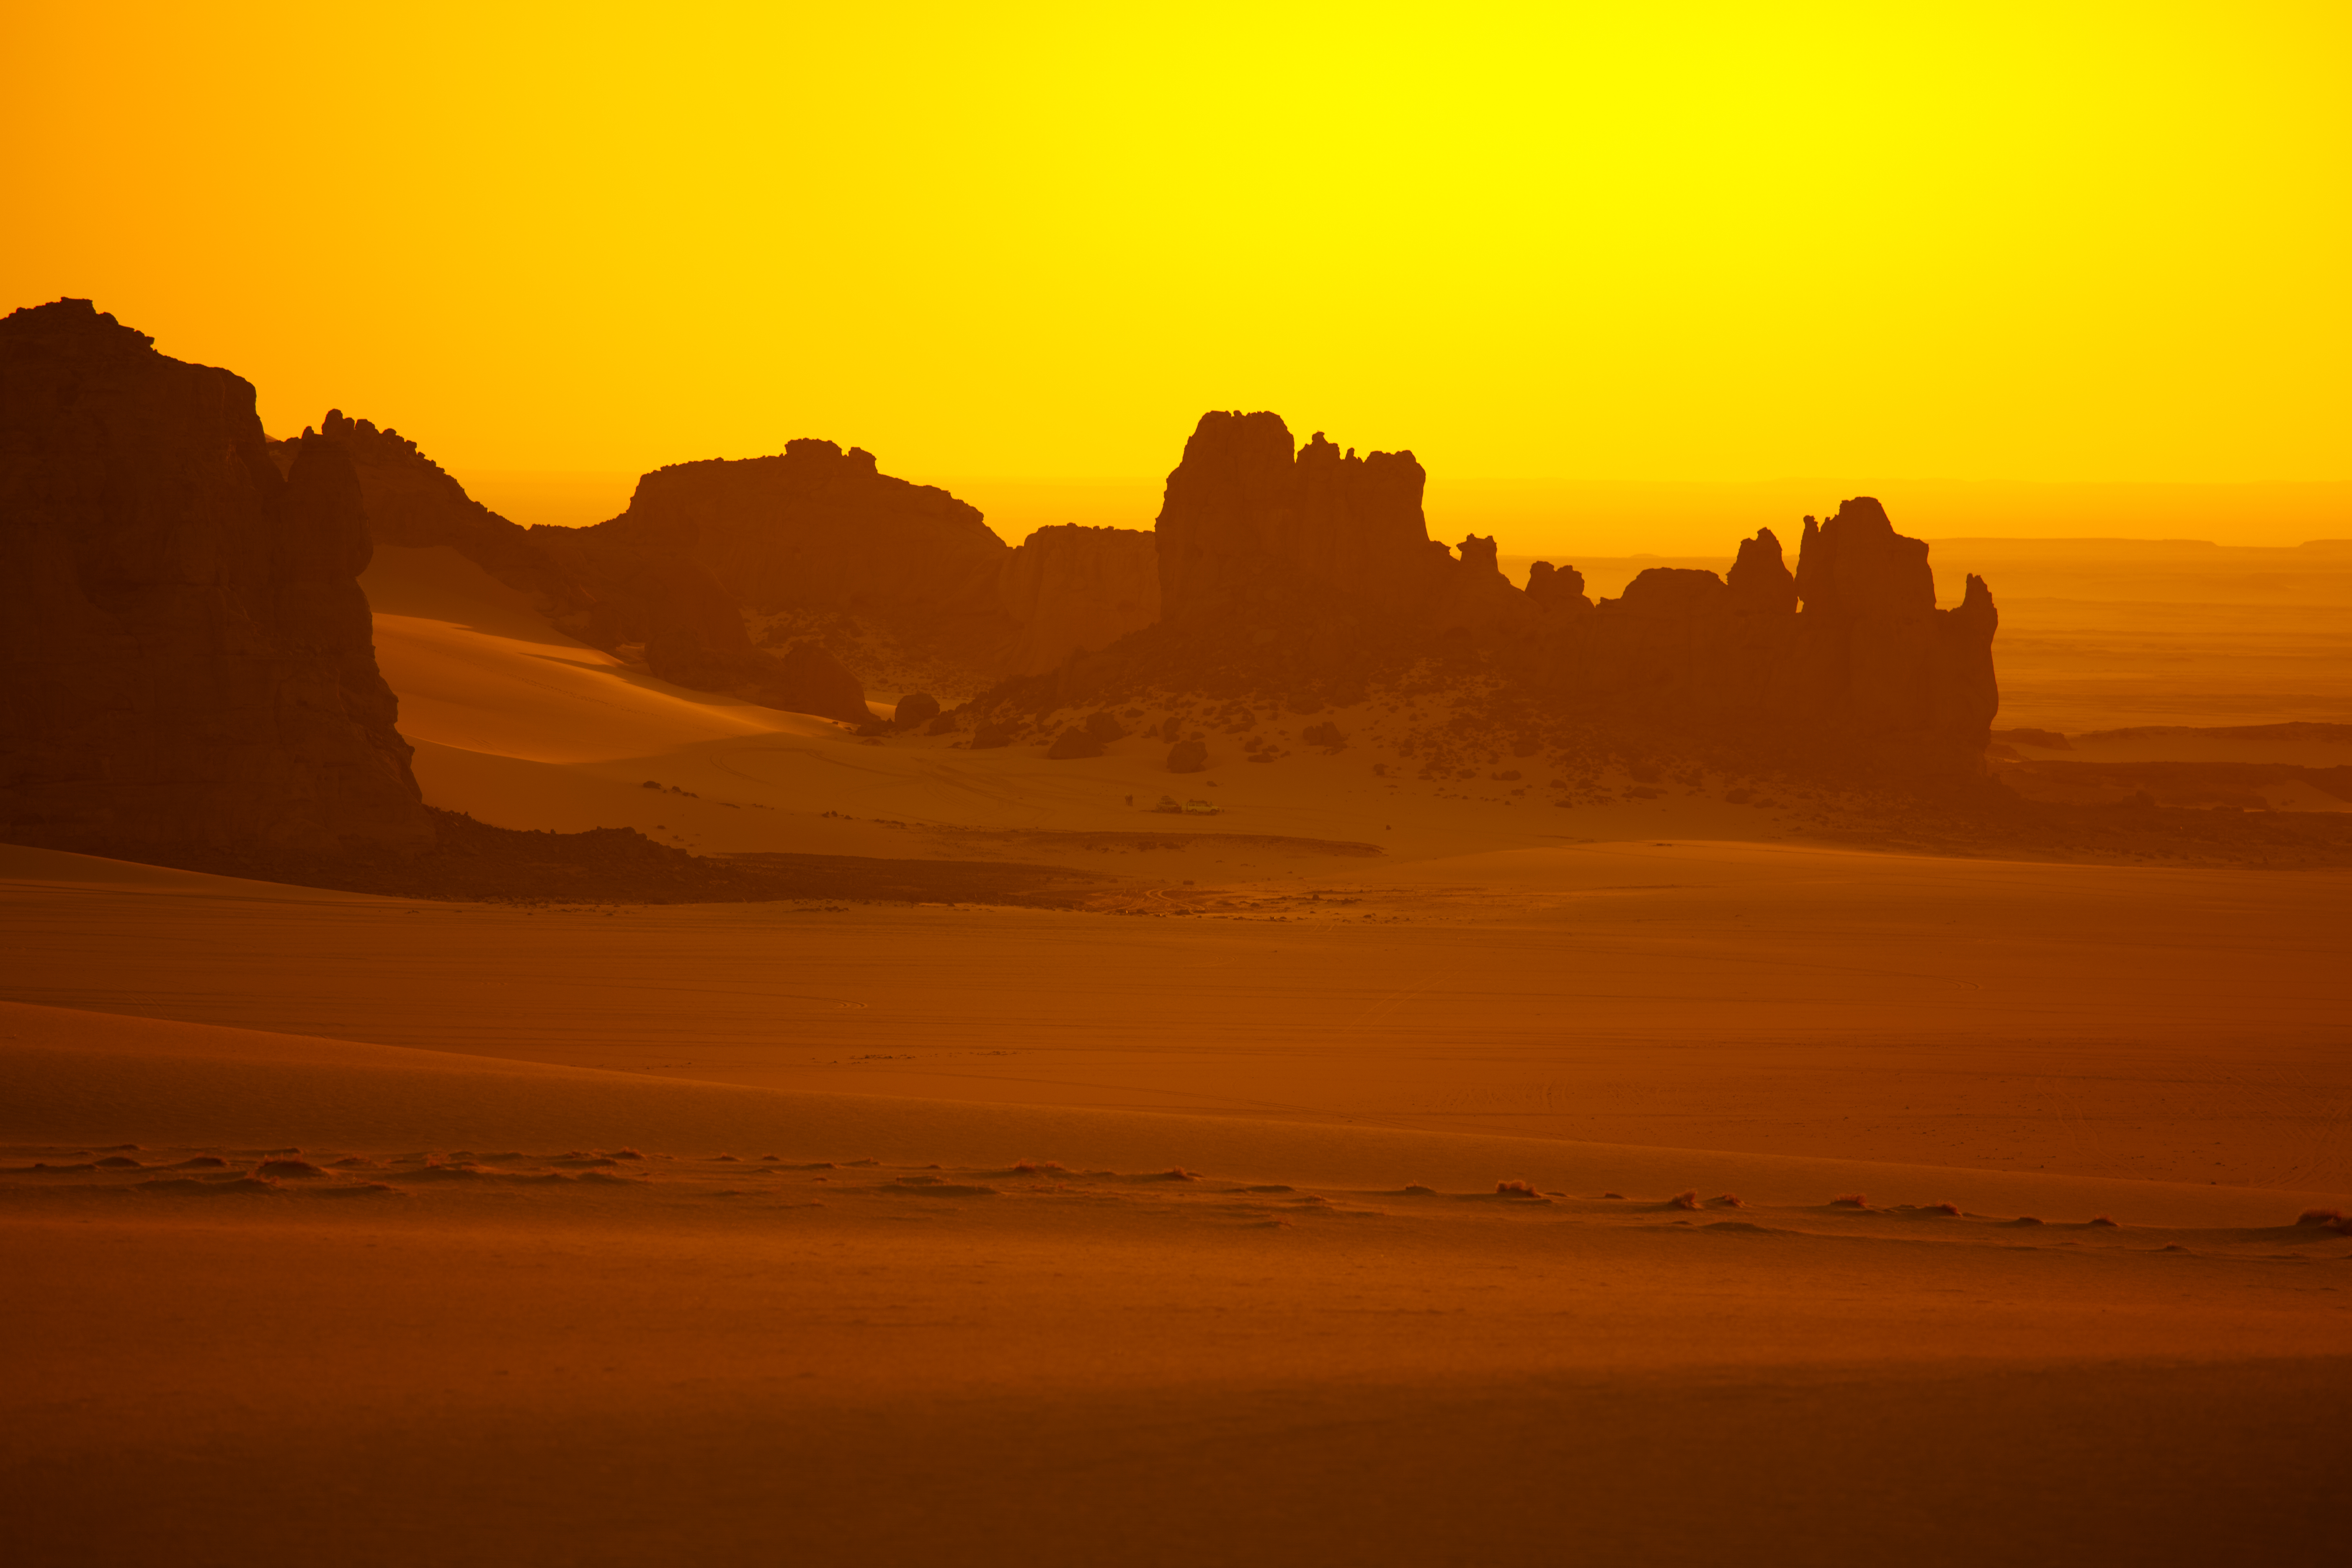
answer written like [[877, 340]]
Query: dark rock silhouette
[[1300, 570], [1074, 741], [185, 656], [1255, 529], [814, 538], [811, 680], [816, 528], [607, 591], [1761, 583], [1866, 662], [1188, 757], [1104, 726], [915, 709], [817, 532], [1555, 591]]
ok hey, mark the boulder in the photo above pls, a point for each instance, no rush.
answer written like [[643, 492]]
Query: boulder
[[1074, 741], [1188, 757], [811, 680], [915, 708]]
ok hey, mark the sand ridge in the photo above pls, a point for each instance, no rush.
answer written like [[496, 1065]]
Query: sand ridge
[[350, 1320]]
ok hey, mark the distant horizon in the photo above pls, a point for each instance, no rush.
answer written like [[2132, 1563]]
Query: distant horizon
[[1666, 517]]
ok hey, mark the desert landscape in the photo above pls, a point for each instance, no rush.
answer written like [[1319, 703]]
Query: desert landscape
[[752, 1026]]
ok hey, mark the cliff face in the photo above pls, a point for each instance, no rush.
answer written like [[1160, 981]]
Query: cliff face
[[1258, 539], [820, 529], [610, 592], [1073, 589], [1255, 529], [185, 656], [1848, 651]]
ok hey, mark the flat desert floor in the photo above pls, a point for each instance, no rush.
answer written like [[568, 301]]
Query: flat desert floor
[[1377, 1172]]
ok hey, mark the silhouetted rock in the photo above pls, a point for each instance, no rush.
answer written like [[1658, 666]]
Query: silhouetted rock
[[915, 708], [989, 734], [185, 656], [1868, 664], [1760, 581], [1071, 589], [816, 528], [811, 680], [1256, 531], [1555, 591], [1478, 596], [1188, 757], [602, 589], [1104, 726], [1074, 741]]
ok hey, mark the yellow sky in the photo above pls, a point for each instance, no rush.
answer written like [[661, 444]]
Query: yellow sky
[[1556, 243]]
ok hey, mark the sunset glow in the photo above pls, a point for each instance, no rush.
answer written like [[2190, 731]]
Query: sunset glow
[[2096, 242]]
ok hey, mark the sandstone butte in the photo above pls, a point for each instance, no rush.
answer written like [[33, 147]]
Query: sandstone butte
[[1322, 559], [188, 657]]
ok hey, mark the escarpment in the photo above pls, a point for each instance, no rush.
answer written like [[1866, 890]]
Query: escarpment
[[1071, 589], [719, 570], [1849, 652], [185, 655], [1306, 569], [608, 592]]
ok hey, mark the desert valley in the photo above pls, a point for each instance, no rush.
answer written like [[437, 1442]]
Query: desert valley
[[782, 1025]]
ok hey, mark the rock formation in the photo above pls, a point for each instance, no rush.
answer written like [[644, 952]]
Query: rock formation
[[816, 528], [1302, 570], [914, 710], [811, 680], [185, 656], [1255, 529], [1850, 651], [608, 592], [816, 537], [1070, 589]]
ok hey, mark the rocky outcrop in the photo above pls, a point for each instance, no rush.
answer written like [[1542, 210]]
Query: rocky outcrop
[[1303, 570], [811, 680], [1070, 590], [914, 710], [1257, 530], [607, 591], [1849, 652], [1555, 591], [818, 529], [185, 655], [814, 537]]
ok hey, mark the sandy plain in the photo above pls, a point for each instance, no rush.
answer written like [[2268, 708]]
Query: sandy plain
[[1165, 1228]]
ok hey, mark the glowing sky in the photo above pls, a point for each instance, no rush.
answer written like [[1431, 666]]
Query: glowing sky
[[1699, 242]]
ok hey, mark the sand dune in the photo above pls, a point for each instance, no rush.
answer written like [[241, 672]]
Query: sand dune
[[1353, 1180], [1327, 1315]]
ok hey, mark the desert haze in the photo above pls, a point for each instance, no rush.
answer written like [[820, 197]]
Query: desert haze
[[934, 788]]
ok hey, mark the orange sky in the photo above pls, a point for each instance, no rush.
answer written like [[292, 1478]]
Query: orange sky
[[1548, 247]]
